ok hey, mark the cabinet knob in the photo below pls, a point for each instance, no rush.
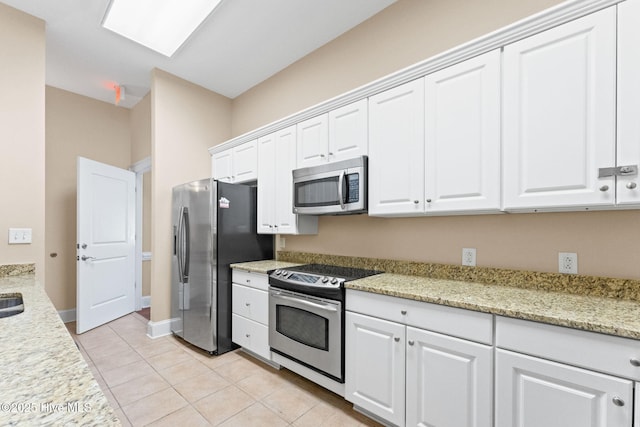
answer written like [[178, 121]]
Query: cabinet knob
[[403, 312], [247, 335], [322, 155], [428, 200], [617, 401], [397, 339], [248, 280], [247, 304], [634, 361], [411, 342], [604, 188], [330, 153], [631, 185], [416, 201]]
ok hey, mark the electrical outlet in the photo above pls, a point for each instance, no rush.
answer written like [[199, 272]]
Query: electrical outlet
[[469, 257], [568, 262]]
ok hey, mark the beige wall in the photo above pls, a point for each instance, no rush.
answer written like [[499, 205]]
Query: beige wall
[[186, 120], [22, 135], [75, 126], [140, 117], [402, 34]]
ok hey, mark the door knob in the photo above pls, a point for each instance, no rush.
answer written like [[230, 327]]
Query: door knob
[[84, 257]]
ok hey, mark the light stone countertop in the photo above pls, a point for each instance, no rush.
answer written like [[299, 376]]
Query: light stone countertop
[[263, 266], [591, 313], [43, 378]]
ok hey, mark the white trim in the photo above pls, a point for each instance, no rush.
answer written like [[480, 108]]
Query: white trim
[[142, 166], [533, 24], [146, 301], [159, 329], [67, 315]]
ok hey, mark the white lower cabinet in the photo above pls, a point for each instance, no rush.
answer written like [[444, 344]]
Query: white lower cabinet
[[250, 312], [449, 381], [552, 376], [375, 366], [533, 392], [410, 376]]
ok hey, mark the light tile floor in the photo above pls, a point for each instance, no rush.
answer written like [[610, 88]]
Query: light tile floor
[[165, 382]]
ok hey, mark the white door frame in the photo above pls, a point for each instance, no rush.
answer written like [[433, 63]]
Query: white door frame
[[140, 168]]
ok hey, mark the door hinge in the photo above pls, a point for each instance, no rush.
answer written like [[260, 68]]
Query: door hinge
[[630, 170]]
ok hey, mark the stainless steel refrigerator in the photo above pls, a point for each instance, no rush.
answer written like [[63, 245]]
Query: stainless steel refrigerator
[[214, 225]]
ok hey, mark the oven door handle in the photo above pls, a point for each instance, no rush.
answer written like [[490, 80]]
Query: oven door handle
[[325, 307]]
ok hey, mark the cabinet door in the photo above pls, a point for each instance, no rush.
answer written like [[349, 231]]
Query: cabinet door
[[313, 142], [245, 162], [348, 133], [396, 150], [628, 149], [449, 381], [374, 366], [532, 392], [559, 115], [285, 144], [462, 136], [223, 166], [266, 184]]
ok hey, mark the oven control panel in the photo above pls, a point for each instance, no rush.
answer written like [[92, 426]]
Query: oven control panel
[[308, 279]]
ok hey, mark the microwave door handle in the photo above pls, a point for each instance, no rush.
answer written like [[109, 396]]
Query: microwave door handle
[[340, 184]]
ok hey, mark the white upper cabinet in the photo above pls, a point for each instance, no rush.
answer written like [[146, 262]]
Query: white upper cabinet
[[222, 165], [236, 165], [559, 115], [277, 157], [337, 135], [313, 141], [628, 149], [396, 150], [462, 136], [348, 133]]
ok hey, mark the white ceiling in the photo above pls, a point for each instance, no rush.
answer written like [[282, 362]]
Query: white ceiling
[[242, 43]]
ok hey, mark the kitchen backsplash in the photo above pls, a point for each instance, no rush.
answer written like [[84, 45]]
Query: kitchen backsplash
[[17, 269], [625, 289]]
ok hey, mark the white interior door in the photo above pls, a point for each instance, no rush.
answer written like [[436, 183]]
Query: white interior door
[[106, 244]]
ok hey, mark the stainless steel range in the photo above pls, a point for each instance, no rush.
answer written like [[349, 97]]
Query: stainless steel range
[[306, 315]]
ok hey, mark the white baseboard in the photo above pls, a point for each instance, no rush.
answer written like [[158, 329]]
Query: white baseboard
[[146, 301], [159, 329], [67, 315]]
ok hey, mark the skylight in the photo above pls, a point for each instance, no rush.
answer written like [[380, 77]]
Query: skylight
[[161, 25]]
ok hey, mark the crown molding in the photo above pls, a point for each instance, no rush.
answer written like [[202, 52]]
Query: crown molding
[[519, 30]]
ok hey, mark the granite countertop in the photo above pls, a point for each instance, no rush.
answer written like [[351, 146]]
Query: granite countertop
[[263, 266], [43, 378], [591, 313]]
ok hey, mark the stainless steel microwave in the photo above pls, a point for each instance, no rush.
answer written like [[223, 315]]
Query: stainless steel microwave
[[332, 188]]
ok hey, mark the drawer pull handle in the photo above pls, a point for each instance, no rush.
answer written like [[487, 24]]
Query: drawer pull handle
[[617, 401], [635, 362], [411, 342], [397, 339], [403, 312]]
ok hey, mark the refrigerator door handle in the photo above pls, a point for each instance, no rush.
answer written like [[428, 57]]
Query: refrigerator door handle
[[178, 245], [187, 244]]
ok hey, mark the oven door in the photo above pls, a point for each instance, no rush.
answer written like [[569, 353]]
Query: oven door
[[308, 330]]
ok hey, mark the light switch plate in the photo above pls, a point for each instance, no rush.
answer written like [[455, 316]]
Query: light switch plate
[[19, 236]]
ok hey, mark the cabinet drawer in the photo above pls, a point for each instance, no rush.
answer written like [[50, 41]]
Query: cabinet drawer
[[599, 352], [250, 303], [457, 322], [251, 335], [248, 278]]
